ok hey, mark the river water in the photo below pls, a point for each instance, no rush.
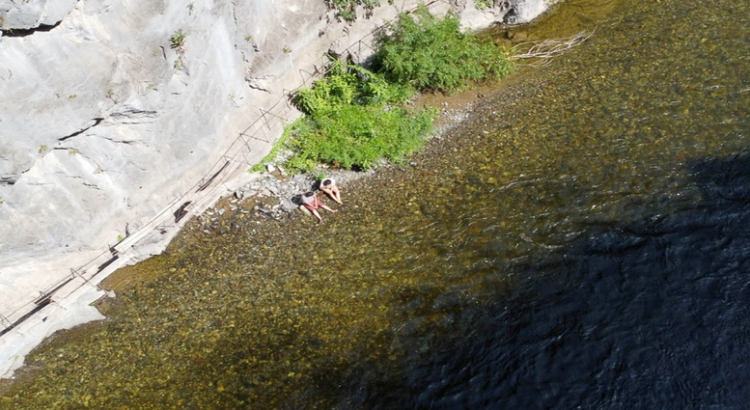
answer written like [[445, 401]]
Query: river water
[[581, 241]]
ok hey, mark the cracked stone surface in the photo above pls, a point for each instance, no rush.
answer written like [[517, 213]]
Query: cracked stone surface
[[30, 14], [104, 122]]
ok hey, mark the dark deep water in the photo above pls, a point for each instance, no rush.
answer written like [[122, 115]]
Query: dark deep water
[[653, 314], [581, 241]]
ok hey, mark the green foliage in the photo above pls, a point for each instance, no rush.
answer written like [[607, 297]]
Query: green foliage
[[433, 54], [349, 84], [358, 137], [177, 40], [351, 121], [482, 4], [353, 117], [347, 14], [345, 9]]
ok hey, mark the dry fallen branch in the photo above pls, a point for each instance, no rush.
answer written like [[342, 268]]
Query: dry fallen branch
[[551, 48]]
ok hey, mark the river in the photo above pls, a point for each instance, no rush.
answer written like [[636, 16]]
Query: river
[[582, 240]]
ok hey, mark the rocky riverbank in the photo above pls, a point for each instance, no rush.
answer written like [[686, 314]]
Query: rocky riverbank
[[273, 193]]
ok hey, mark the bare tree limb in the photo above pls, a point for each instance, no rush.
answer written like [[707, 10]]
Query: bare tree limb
[[551, 48]]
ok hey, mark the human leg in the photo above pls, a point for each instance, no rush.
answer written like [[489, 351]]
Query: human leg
[[324, 206], [336, 195], [314, 211]]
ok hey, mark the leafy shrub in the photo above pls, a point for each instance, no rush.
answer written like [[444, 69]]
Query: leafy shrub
[[353, 117], [345, 8], [349, 84], [483, 4], [350, 121], [358, 136], [433, 54]]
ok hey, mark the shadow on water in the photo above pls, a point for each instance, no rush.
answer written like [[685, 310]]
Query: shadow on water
[[653, 314]]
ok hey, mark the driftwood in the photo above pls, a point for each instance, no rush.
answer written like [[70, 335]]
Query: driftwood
[[547, 49]]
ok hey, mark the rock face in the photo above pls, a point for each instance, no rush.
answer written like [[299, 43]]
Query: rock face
[[32, 14], [111, 112]]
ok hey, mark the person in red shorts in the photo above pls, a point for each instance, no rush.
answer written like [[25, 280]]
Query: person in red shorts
[[311, 202]]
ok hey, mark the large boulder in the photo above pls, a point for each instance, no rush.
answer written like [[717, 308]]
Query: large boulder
[[33, 14]]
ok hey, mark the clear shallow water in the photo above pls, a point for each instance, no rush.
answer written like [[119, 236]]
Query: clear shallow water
[[580, 241]]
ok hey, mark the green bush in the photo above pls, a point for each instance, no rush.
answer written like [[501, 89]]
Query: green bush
[[358, 136], [352, 119], [433, 54], [345, 8], [482, 4], [347, 84]]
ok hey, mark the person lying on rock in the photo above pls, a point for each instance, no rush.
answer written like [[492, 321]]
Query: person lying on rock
[[328, 186], [311, 202]]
